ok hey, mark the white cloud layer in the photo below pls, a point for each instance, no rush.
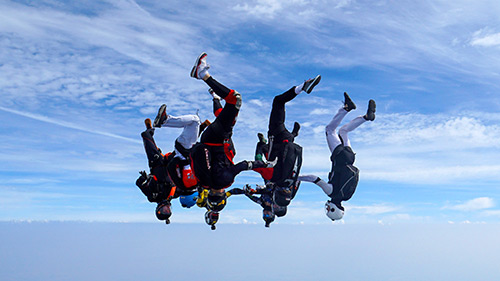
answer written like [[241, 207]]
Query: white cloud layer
[[475, 204]]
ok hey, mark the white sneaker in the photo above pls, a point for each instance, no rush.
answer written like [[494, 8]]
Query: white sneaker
[[199, 66], [213, 94]]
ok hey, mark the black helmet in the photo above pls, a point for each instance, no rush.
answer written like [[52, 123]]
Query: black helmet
[[216, 200], [268, 216], [211, 218], [278, 210], [163, 211]]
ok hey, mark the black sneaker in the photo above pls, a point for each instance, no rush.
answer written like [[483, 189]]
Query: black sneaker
[[261, 137], [348, 103], [296, 128], [370, 113], [161, 117], [310, 84]]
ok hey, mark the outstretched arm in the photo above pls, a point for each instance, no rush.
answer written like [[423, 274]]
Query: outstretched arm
[[327, 188], [235, 191], [254, 198]]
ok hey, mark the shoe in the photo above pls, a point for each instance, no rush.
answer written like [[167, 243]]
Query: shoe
[[261, 137], [203, 126], [161, 117], [199, 66], [256, 164], [271, 164], [296, 128], [147, 122], [310, 84], [348, 103], [370, 113], [213, 94]]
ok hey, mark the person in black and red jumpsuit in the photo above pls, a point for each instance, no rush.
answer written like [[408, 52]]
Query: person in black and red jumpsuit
[[212, 159]]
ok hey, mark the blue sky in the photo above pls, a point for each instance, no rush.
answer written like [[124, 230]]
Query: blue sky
[[77, 81]]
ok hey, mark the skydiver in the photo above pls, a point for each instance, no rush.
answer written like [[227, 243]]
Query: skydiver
[[170, 175], [179, 167], [343, 178], [265, 200], [283, 149], [213, 158], [157, 186]]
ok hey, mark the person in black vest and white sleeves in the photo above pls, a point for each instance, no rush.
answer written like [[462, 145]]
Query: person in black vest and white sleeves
[[344, 176]]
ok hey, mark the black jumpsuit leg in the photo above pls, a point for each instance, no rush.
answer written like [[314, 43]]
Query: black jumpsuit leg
[[150, 146]]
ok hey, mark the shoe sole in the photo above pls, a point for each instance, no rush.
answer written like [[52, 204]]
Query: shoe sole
[[372, 107], [196, 64], [349, 102], [162, 109], [313, 84]]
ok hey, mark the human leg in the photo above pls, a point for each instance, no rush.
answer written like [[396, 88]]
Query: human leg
[[356, 122], [217, 106], [332, 138], [189, 135], [327, 188], [353, 124], [277, 118], [150, 146]]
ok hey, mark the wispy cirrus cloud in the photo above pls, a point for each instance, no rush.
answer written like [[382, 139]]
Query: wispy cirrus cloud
[[68, 125], [485, 38], [475, 204]]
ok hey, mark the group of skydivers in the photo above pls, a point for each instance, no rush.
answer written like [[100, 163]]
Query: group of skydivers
[[199, 172]]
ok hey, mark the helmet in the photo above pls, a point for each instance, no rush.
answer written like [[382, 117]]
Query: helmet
[[216, 200], [278, 210], [211, 218], [163, 211], [188, 201], [334, 211], [268, 216]]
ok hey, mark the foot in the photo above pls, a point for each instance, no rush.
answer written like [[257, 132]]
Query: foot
[[204, 125], [200, 67], [296, 128], [213, 94], [256, 164], [147, 122], [271, 164], [310, 84], [261, 137], [370, 113], [161, 117], [348, 103]]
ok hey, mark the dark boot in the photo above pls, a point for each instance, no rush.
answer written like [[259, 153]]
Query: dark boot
[[348, 103], [370, 113], [296, 128]]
